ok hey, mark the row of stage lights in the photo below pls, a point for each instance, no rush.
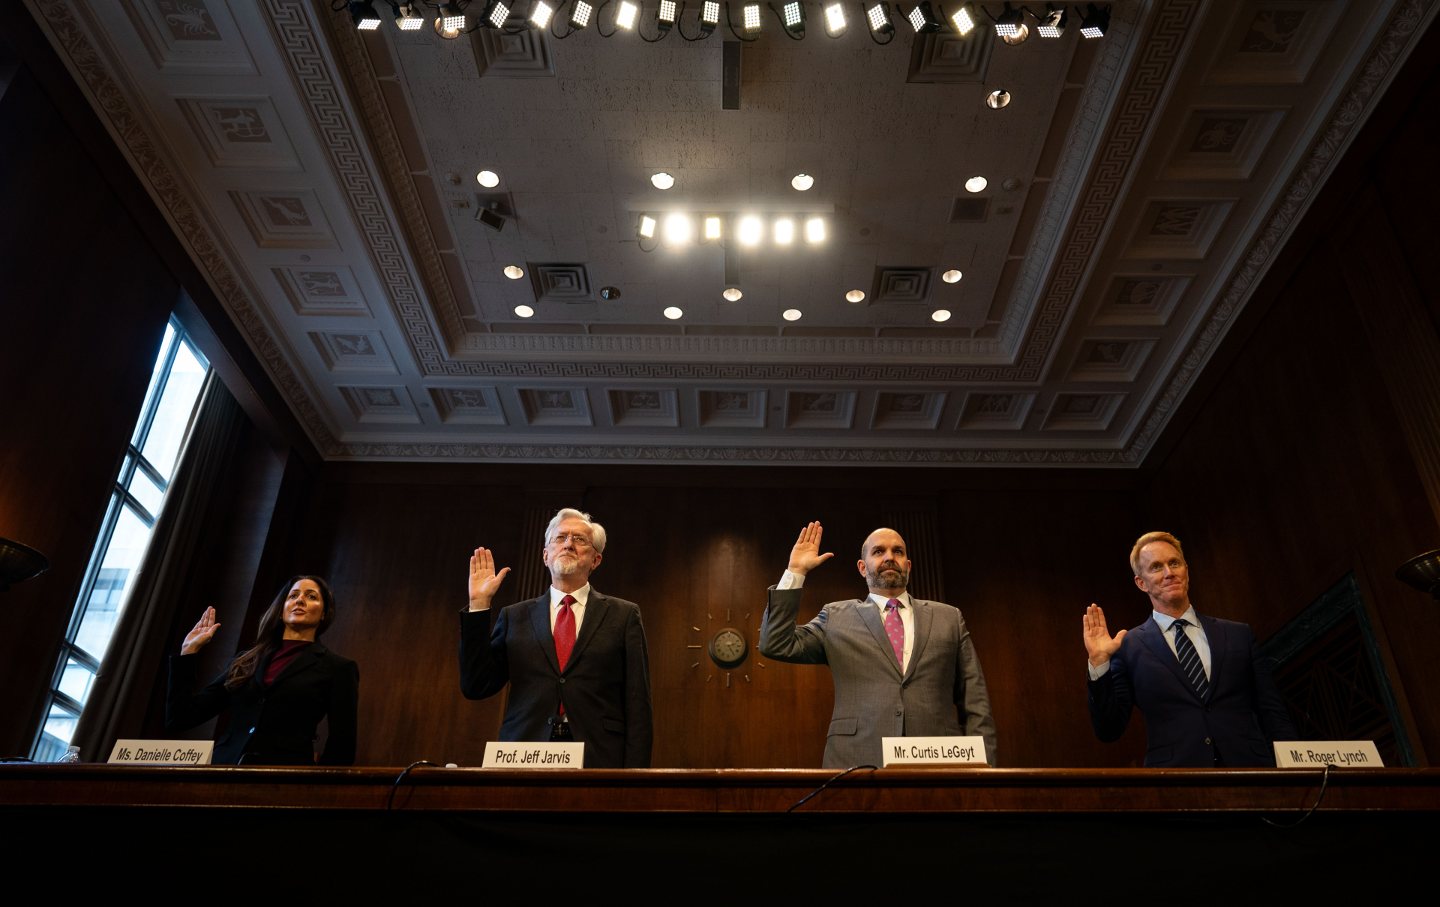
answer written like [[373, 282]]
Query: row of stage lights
[[678, 229], [451, 18]]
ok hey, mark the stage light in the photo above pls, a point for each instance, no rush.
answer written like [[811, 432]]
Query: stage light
[[625, 15], [406, 18], [647, 226], [495, 14], [784, 231], [963, 20], [541, 14], [922, 18], [665, 16], [712, 227], [709, 16], [1096, 21], [878, 16], [580, 14], [451, 22], [751, 230], [1009, 22], [1052, 24], [815, 230], [792, 16], [751, 17], [677, 229], [835, 23], [362, 13]]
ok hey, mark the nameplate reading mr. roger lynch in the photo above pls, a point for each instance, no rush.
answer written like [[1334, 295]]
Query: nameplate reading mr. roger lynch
[[533, 755], [1320, 753], [162, 752], [933, 750]]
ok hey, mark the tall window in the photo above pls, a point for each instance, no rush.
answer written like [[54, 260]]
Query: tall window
[[135, 502]]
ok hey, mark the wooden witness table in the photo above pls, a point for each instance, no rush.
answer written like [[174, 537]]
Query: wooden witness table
[[1020, 832]]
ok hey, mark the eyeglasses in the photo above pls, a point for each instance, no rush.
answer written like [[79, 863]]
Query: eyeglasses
[[580, 541]]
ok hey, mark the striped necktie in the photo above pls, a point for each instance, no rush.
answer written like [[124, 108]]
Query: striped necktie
[[1190, 659]]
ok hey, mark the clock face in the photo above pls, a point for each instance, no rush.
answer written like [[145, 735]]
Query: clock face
[[728, 647]]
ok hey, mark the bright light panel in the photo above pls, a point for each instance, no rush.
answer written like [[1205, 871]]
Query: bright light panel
[[962, 20], [580, 14], [751, 229], [752, 17], [667, 11], [835, 18], [710, 13], [712, 227], [647, 226], [791, 13], [499, 12], [815, 230], [625, 16], [453, 23], [677, 229], [784, 231], [541, 15], [879, 16]]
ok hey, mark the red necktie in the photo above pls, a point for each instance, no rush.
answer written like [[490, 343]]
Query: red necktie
[[565, 631]]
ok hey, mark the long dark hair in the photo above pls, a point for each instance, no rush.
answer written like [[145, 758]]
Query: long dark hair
[[272, 630]]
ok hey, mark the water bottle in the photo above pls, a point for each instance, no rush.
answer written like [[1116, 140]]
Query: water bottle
[[72, 755]]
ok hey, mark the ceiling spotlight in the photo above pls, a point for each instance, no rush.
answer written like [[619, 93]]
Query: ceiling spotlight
[[878, 17], [488, 178], [963, 20], [451, 22], [524, 311], [647, 227], [514, 272], [665, 16], [784, 231], [940, 315], [712, 227], [677, 229], [709, 16], [625, 15], [951, 276], [835, 23], [815, 230], [1022, 34], [976, 184], [673, 312], [751, 229], [541, 14], [580, 14], [1052, 24], [792, 15], [732, 294], [997, 99], [922, 18], [662, 180], [1096, 21], [496, 12], [751, 17], [362, 13], [855, 296], [1008, 23], [791, 314], [802, 181], [406, 18]]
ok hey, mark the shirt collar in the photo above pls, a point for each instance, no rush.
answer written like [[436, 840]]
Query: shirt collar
[[580, 595], [881, 601], [1165, 621]]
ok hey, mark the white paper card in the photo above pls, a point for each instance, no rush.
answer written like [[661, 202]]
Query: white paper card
[[933, 750], [1318, 753], [533, 755], [162, 752]]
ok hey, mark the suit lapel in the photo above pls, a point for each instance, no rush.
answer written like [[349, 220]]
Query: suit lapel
[[307, 658], [870, 614], [597, 608], [1215, 637], [540, 626], [1154, 639], [924, 617]]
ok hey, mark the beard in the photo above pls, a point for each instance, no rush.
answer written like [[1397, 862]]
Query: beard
[[564, 565], [887, 576]]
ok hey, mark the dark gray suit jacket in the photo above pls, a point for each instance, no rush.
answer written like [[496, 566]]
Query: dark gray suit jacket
[[605, 686], [941, 694]]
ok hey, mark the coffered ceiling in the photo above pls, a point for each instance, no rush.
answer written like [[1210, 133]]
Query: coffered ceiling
[[1139, 186]]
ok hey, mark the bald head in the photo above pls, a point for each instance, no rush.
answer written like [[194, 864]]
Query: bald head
[[885, 562]]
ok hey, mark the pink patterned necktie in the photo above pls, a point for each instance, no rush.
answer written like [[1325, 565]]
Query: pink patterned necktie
[[895, 629]]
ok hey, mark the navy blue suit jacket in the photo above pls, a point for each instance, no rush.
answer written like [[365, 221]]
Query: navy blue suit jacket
[[605, 686], [1233, 726]]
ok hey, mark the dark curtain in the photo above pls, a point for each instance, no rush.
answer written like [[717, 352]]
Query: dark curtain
[[122, 690]]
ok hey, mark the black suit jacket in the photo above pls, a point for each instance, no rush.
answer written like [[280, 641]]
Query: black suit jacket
[[274, 725], [605, 686], [1234, 725]]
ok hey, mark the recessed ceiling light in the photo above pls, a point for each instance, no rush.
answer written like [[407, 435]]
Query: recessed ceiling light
[[976, 184], [488, 178], [940, 315], [951, 276], [791, 314], [673, 312], [514, 272], [802, 181], [733, 294], [662, 180], [997, 99], [855, 296], [524, 311]]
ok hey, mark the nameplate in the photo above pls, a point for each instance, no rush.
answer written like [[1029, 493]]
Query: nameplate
[[1320, 753], [162, 752], [533, 755], [933, 750]]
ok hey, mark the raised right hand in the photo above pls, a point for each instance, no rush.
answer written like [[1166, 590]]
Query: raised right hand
[[199, 635], [1099, 644], [806, 556], [484, 581]]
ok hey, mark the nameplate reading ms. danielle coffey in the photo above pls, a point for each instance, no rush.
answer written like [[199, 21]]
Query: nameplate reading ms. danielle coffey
[[162, 752], [1320, 753], [503, 754], [933, 750]]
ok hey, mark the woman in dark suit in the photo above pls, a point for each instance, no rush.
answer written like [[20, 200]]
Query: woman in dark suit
[[278, 690]]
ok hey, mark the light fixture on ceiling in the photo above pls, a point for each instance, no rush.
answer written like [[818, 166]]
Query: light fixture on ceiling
[[751, 230], [524, 311], [541, 14], [732, 294], [963, 20], [855, 296], [709, 17], [609, 294], [665, 16], [662, 180], [450, 22], [802, 181], [495, 14], [580, 15], [835, 24], [792, 17], [951, 276], [407, 17], [677, 229], [647, 227], [673, 312], [940, 315], [1009, 22], [514, 272], [1052, 24], [877, 16], [976, 184], [791, 314], [712, 230], [1096, 21], [488, 178], [749, 18], [815, 230], [922, 18], [362, 13], [997, 99], [625, 15], [784, 231]]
